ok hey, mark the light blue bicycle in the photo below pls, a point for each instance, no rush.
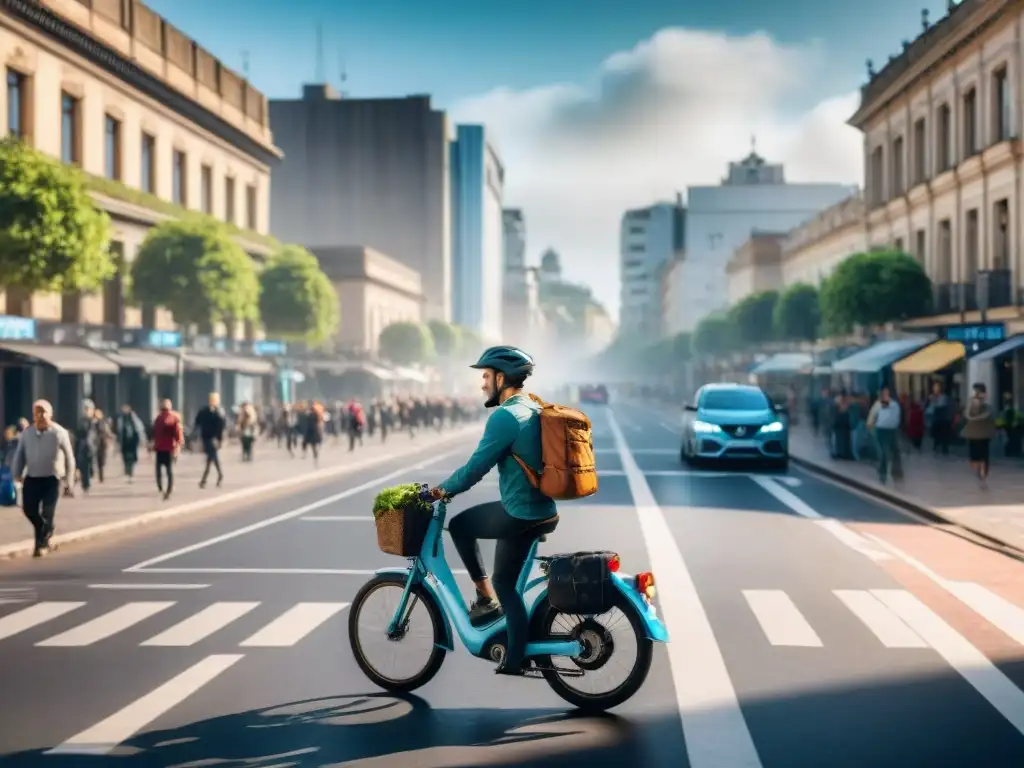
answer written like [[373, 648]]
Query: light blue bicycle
[[425, 601]]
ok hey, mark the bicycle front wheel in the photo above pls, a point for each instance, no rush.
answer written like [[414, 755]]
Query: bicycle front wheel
[[410, 657]]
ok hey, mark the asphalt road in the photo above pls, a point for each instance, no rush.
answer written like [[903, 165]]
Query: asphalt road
[[791, 645]]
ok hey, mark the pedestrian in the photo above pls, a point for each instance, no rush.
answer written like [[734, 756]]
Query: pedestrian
[[129, 431], [979, 429], [884, 420], [43, 459], [168, 438], [103, 437], [915, 427], [86, 443], [355, 420], [246, 425], [210, 425], [314, 434], [939, 417]]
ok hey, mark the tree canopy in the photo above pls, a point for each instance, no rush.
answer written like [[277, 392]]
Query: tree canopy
[[798, 314], [52, 235], [197, 271], [297, 300], [873, 289], [406, 343], [752, 318], [714, 335], [447, 338]]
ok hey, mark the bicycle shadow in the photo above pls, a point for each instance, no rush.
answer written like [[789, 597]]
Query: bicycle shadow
[[378, 731]]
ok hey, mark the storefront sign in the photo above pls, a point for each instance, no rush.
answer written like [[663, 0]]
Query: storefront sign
[[77, 335], [976, 338], [17, 328], [269, 348], [163, 339]]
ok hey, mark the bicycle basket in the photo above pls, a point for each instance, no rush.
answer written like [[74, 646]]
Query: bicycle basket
[[401, 531]]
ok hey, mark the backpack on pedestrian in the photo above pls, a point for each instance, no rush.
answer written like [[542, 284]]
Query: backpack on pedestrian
[[567, 453]]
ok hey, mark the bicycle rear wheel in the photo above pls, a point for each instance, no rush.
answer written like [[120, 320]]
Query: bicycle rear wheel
[[376, 603]]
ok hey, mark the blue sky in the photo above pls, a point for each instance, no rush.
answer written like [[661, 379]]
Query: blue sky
[[584, 137]]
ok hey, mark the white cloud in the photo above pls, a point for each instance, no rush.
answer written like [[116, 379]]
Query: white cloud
[[669, 113]]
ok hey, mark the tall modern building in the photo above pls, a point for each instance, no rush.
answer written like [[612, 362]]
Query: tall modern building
[[649, 239], [514, 252], [477, 183], [367, 172], [754, 196]]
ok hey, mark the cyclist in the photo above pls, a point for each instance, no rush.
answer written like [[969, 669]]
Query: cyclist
[[513, 428]]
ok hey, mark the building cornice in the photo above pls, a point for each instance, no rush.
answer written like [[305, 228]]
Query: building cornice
[[97, 53]]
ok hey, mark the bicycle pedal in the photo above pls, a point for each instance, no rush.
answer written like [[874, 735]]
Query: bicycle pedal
[[561, 671]]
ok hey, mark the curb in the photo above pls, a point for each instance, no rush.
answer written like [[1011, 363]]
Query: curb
[[906, 503], [26, 547]]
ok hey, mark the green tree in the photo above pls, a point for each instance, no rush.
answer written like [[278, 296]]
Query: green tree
[[798, 314], [682, 347], [447, 338], [52, 235], [297, 300], [873, 289], [752, 318], [406, 343], [197, 271], [714, 335]]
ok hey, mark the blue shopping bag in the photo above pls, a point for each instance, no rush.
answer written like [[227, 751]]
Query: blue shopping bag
[[8, 492]]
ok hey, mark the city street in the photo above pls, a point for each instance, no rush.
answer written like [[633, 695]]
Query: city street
[[810, 627]]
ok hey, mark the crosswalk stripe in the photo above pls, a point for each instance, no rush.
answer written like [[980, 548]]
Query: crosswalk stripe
[[293, 625], [106, 625], [780, 619], [201, 625], [33, 616], [106, 735], [889, 628]]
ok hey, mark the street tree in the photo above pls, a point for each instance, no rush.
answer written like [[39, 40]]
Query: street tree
[[752, 318], [406, 343], [714, 335], [798, 314], [447, 338], [197, 271], [52, 235], [297, 300], [874, 288]]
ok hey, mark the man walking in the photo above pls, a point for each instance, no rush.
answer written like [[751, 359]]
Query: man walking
[[168, 437], [45, 457], [210, 425], [885, 419]]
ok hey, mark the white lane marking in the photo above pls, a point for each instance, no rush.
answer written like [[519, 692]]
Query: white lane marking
[[847, 536], [293, 625], [337, 519], [968, 661], [201, 625], [889, 628], [376, 482], [106, 625], [106, 735], [998, 611], [792, 482], [278, 571], [714, 729], [780, 619], [673, 429], [149, 586], [40, 613]]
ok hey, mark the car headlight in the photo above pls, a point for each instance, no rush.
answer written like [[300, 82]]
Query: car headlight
[[705, 427], [775, 426]]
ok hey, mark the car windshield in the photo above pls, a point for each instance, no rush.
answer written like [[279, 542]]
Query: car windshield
[[734, 400]]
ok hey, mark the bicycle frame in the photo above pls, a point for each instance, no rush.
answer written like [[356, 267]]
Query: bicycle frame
[[432, 571]]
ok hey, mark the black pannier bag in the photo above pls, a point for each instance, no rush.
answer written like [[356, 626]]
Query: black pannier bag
[[580, 583]]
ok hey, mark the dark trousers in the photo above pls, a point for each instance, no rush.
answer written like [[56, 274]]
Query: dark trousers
[[514, 539], [247, 441], [164, 461], [39, 497], [212, 460]]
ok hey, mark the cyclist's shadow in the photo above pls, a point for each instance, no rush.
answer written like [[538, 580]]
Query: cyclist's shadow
[[373, 730]]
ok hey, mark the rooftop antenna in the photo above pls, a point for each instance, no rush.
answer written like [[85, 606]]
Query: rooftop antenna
[[320, 74], [245, 64]]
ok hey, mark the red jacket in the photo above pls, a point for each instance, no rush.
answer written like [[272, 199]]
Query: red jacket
[[167, 432]]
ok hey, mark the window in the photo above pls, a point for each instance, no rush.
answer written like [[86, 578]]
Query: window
[[113, 290], [920, 151], [69, 138], [970, 123], [17, 99], [178, 178], [971, 246], [250, 207], [944, 268], [71, 308], [229, 200], [207, 189], [1001, 101], [919, 246], [1001, 230], [944, 139], [734, 400], [897, 167], [899, 244], [147, 182], [636, 230], [636, 248], [113, 148], [878, 176]]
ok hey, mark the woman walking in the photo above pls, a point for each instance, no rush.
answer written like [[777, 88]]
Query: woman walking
[[978, 431], [247, 425]]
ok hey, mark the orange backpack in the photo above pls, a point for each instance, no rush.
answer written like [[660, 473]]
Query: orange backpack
[[567, 452]]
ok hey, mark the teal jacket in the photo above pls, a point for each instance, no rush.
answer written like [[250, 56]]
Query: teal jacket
[[513, 427]]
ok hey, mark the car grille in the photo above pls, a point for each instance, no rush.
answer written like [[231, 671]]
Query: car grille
[[741, 430]]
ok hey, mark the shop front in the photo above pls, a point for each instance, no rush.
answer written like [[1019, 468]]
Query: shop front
[[941, 361], [867, 371]]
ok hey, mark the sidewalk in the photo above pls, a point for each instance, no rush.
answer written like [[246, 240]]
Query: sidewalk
[[116, 504], [943, 486]]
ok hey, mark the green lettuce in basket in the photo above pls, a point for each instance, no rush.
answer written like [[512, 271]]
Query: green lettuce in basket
[[397, 497]]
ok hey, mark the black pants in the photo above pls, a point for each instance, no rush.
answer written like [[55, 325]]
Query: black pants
[[247, 441], [164, 460], [39, 497], [514, 539], [212, 460]]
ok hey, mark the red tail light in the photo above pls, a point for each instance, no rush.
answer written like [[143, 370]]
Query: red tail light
[[645, 585], [614, 563]]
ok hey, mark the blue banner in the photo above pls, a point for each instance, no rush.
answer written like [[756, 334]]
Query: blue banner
[[17, 328]]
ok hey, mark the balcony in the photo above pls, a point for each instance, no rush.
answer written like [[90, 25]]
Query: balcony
[[995, 285]]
